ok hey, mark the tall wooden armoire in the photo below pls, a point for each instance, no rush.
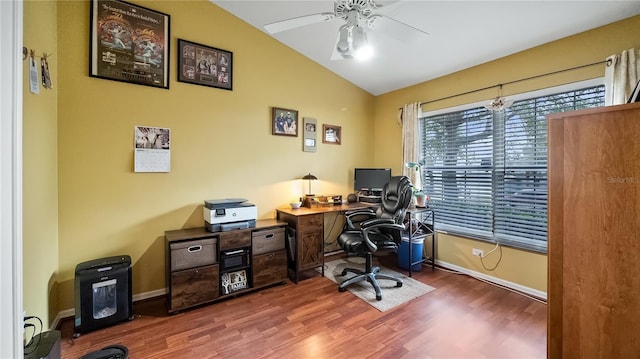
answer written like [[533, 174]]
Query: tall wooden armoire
[[594, 233]]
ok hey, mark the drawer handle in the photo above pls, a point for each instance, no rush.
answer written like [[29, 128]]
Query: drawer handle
[[192, 249], [234, 252], [270, 235]]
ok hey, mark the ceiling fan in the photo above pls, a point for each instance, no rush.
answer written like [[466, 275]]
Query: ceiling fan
[[358, 16]]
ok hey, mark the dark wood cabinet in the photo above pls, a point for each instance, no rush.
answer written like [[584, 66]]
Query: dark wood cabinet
[[305, 227], [311, 241], [196, 273], [306, 244]]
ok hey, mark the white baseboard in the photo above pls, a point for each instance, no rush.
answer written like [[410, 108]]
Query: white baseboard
[[501, 282], [136, 297]]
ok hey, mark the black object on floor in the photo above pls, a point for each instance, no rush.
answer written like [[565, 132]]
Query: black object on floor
[[102, 293], [110, 352]]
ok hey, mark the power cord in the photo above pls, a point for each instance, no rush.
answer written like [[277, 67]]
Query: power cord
[[482, 257]]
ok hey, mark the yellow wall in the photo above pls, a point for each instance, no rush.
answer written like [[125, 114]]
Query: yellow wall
[[40, 174], [221, 143], [524, 268]]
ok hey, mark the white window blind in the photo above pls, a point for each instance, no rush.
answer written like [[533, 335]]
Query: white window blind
[[486, 171]]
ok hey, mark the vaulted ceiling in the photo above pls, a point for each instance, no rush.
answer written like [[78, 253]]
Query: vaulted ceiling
[[461, 34]]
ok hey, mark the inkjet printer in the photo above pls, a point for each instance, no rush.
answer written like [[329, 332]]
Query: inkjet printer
[[229, 213]]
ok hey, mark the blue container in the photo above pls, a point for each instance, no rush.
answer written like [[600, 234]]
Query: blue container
[[416, 253]]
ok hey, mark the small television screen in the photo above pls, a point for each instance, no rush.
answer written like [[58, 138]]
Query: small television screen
[[370, 179]]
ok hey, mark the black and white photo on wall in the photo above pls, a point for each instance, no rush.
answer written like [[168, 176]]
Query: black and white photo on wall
[[204, 65], [129, 43]]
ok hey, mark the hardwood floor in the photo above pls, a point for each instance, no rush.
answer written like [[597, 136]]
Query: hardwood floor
[[462, 318]]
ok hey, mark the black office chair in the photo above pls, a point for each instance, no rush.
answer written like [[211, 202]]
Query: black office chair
[[379, 234]]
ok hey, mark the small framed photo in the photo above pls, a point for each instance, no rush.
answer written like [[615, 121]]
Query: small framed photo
[[284, 122], [331, 134], [204, 65], [309, 135]]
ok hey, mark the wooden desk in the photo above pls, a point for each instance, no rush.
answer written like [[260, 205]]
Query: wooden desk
[[306, 235]]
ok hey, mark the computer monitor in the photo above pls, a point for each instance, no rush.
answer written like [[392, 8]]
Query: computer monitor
[[370, 179]]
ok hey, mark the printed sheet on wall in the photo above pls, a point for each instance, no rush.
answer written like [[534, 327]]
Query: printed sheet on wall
[[152, 152]]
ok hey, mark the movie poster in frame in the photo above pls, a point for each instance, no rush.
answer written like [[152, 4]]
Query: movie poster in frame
[[204, 65], [129, 43]]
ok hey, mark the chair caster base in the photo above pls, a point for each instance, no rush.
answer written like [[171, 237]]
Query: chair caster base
[[399, 284], [340, 289], [378, 297]]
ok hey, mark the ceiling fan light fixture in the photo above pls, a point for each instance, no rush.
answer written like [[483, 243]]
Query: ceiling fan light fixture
[[343, 40], [361, 48]]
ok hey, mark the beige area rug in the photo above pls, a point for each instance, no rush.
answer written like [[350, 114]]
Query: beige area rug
[[392, 296]]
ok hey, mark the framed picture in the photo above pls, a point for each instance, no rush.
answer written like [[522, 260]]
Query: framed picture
[[284, 122], [310, 135], [129, 43], [331, 134], [204, 65]]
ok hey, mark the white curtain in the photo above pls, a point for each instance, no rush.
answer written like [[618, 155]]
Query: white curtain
[[409, 115], [621, 76]]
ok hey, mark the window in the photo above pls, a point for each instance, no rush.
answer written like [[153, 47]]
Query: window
[[486, 171]]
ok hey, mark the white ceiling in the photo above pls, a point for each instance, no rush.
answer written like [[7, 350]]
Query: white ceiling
[[461, 33]]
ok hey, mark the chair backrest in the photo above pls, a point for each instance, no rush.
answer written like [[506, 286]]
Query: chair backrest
[[396, 197]]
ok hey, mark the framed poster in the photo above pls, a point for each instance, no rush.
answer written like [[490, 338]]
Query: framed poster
[[284, 122], [129, 43], [204, 65]]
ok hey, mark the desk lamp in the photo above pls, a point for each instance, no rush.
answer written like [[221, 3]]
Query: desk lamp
[[309, 196]]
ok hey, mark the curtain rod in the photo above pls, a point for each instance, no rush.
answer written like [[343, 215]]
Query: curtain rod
[[515, 81]]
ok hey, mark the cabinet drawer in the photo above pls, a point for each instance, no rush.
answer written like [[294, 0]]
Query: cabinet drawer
[[269, 268], [192, 254], [194, 286], [267, 240], [312, 221], [235, 239]]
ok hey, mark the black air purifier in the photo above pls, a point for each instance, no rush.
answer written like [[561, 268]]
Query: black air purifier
[[102, 293]]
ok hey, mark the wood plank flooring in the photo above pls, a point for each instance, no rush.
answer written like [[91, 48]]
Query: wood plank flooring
[[462, 318]]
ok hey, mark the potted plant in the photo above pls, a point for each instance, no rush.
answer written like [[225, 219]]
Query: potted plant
[[421, 198]]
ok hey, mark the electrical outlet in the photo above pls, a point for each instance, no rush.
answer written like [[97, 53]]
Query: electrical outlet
[[477, 252]]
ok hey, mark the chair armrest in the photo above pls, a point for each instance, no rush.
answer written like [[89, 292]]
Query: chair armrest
[[359, 212], [384, 223], [357, 216], [375, 221]]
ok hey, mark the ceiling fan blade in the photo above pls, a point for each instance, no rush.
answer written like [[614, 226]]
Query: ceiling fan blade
[[296, 22], [393, 28]]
